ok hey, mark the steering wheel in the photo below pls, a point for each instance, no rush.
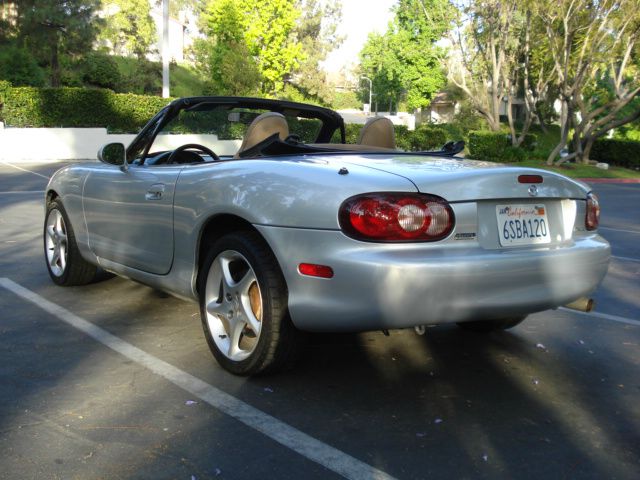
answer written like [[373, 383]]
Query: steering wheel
[[192, 146]]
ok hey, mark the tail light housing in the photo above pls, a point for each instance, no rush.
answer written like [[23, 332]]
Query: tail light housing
[[396, 217], [592, 219]]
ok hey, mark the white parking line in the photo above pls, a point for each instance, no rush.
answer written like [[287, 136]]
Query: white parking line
[[24, 169], [31, 192], [618, 230], [626, 259], [307, 446], [604, 316]]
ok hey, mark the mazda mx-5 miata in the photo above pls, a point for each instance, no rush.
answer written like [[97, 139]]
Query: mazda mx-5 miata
[[291, 230]]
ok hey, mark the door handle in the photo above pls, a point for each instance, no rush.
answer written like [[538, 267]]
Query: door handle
[[155, 192]]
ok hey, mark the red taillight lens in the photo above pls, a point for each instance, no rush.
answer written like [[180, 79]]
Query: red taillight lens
[[313, 270], [592, 219], [396, 217]]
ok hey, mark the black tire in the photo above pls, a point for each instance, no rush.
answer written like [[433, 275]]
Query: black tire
[[277, 343], [69, 268], [485, 326]]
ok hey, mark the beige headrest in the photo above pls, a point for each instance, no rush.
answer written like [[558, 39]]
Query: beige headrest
[[262, 127], [378, 132]]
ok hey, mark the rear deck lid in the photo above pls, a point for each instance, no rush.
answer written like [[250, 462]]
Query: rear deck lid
[[459, 180]]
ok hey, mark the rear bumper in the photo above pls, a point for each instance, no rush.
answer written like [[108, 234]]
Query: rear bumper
[[397, 286]]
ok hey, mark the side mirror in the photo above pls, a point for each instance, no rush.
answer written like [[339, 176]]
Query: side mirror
[[113, 154]]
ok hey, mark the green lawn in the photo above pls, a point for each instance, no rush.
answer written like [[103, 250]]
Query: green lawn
[[574, 170], [546, 142]]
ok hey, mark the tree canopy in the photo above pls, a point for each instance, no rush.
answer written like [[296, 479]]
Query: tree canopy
[[129, 28], [406, 63], [250, 36], [47, 28]]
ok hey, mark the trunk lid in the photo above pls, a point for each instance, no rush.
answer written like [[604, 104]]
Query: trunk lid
[[491, 206], [460, 180]]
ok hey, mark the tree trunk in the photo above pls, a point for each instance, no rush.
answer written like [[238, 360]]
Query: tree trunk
[[55, 65], [565, 115], [512, 125]]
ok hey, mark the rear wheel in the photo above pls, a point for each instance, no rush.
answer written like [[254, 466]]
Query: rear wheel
[[243, 306], [492, 325], [65, 264]]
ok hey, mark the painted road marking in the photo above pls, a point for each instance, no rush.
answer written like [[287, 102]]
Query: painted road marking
[[626, 259], [619, 230], [604, 316], [30, 192], [307, 446], [25, 170]]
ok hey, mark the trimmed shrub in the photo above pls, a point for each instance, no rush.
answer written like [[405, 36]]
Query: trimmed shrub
[[20, 68], [4, 88], [489, 146], [101, 70], [530, 142], [424, 137], [79, 107], [621, 153]]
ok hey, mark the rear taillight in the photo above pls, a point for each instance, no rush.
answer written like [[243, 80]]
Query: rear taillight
[[592, 219], [396, 217]]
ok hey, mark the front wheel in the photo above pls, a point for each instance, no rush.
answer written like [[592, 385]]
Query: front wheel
[[485, 326], [64, 262], [243, 306]]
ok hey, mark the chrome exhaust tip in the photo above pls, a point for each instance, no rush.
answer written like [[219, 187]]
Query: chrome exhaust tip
[[584, 304]]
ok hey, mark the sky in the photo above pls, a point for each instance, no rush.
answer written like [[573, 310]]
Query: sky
[[359, 18]]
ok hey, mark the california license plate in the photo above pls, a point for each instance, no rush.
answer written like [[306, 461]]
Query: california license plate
[[522, 224]]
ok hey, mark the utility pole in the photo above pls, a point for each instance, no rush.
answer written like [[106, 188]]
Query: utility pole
[[370, 90], [165, 48]]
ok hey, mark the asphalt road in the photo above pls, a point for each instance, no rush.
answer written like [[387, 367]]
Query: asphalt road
[[556, 397]]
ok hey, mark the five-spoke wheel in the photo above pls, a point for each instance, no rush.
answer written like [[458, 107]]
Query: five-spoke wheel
[[64, 261], [243, 304], [55, 243], [234, 305]]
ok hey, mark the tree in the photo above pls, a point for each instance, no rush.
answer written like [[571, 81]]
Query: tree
[[406, 61], [19, 67], [316, 31], [593, 44], [225, 54], [379, 63], [129, 28], [255, 32], [7, 27], [48, 29], [486, 41]]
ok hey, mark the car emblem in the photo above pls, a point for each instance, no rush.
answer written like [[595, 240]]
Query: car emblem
[[533, 191]]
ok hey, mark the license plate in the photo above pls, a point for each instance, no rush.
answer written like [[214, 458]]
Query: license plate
[[522, 224]]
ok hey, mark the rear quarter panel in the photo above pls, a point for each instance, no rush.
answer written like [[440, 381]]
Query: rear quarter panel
[[295, 193]]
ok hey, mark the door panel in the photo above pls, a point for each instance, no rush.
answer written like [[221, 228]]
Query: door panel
[[129, 215]]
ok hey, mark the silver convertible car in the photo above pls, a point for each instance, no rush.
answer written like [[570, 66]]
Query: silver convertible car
[[261, 212]]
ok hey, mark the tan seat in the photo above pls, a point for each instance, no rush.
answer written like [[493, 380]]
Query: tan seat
[[262, 127], [378, 132]]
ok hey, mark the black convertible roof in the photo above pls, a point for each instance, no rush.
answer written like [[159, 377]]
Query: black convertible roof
[[331, 121]]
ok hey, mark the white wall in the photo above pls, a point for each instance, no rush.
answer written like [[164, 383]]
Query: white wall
[[51, 144]]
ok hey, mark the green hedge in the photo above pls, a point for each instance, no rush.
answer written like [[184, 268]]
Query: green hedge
[[496, 146], [4, 89], [79, 107], [622, 153], [128, 113], [424, 137]]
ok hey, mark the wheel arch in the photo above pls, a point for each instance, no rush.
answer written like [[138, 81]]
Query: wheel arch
[[214, 228], [51, 196]]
